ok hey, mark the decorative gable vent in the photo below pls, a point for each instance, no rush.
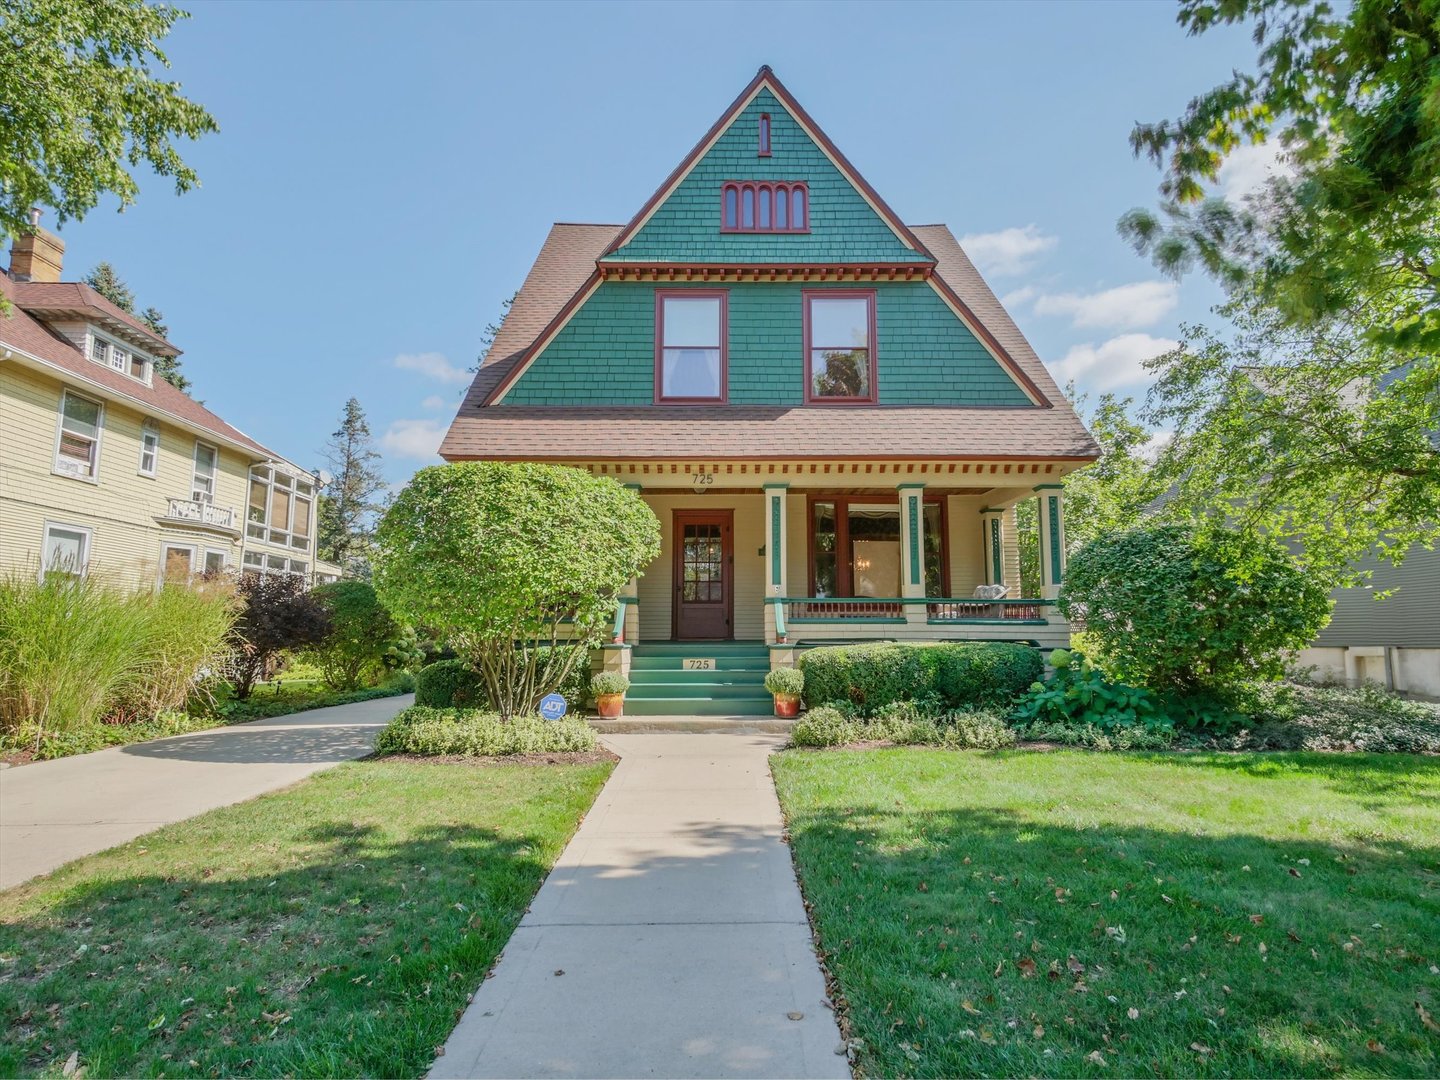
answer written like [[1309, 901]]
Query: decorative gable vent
[[749, 206]]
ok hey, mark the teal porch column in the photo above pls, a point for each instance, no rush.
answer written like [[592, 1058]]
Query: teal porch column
[[912, 542], [1052, 538], [992, 544]]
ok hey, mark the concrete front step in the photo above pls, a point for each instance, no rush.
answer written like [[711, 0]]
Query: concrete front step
[[695, 725]]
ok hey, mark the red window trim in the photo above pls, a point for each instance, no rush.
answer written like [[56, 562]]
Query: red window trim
[[762, 188], [723, 295], [806, 295], [763, 136], [844, 573]]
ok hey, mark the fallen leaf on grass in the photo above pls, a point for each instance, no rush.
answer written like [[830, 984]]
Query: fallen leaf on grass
[[1133, 1013], [1292, 871], [1257, 919], [1200, 1048], [1026, 966], [1075, 966], [1096, 1058], [1375, 1046], [969, 1007], [1425, 1017], [70, 1063]]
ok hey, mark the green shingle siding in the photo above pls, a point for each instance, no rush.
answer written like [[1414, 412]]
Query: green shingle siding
[[605, 355], [843, 227]]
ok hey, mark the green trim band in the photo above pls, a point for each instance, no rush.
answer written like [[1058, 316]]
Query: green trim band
[[775, 540], [915, 540], [996, 552], [1054, 539]]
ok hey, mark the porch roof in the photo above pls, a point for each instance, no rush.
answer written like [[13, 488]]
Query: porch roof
[[565, 264]]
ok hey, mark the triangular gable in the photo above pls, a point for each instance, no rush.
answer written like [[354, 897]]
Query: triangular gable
[[849, 222]]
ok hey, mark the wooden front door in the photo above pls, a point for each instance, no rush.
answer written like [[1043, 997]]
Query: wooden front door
[[704, 574]]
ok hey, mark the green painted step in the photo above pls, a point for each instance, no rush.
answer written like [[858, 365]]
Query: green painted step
[[650, 676], [644, 662], [653, 691], [701, 648], [711, 706]]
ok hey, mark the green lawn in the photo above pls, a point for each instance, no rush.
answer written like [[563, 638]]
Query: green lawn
[[331, 929], [1018, 913]]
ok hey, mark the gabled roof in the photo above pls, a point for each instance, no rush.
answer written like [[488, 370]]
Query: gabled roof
[[564, 270], [74, 298], [25, 334]]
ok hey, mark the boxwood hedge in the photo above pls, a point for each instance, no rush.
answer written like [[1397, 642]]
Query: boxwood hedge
[[953, 675]]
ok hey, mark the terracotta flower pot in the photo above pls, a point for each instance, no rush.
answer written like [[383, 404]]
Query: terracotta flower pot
[[610, 706], [787, 705]]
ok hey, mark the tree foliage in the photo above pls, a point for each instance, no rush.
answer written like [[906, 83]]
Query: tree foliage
[[487, 336], [278, 614], [496, 558], [348, 501], [1178, 609], [361, 630], [109, 284], [80, 105]]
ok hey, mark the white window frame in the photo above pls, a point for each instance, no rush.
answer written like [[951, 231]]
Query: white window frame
[[93, 477], [148, 429], [259, 562], [205, 559], [167, 546], [196, 495], [87, 541], [262, 530], [104, 350]]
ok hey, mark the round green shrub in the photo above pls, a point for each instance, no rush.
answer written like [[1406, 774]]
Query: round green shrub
[[352, 652], [785, 682], [471, 733], [448, 684], [1179, 609], [957, 675], [825, 727]]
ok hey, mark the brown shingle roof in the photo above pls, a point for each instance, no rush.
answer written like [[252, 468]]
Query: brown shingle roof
[[563, 267], [23, 332], [64, 296]]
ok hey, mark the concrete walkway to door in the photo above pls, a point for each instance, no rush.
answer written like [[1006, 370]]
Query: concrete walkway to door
[[670, 939]]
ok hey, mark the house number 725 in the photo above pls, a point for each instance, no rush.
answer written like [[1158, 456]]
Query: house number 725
[[702, 479]]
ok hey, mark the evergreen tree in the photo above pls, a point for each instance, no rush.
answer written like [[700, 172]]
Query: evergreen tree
[[487, 336], [104, 280], [349, 501]]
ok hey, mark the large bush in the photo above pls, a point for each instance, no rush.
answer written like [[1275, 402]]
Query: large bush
[[1079, 695], [486, 555], [954, 675], [361, 631], [1176, 608], [75, 651], [277, 613], [467, 732], [449, 684]]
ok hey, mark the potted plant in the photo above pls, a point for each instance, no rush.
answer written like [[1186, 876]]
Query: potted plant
[[786, 684], [609, 688]]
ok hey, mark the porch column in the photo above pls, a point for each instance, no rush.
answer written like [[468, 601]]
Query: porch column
[[912, 541], [776, 550], [1052, 539], [993, 531]]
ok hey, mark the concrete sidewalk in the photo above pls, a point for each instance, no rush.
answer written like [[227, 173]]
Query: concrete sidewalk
[[669, 940], [54, 811]]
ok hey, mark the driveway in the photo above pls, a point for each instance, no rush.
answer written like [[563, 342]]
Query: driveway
[[670, 939], [54, 811]]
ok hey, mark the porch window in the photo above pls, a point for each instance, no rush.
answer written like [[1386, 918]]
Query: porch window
[[840, 346], [690, 335], [856, 550]]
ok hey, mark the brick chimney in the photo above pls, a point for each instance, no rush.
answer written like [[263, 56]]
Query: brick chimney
[[36, 254]]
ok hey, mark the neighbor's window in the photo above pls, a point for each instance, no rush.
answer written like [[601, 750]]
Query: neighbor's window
[[149, 448], [752, 206], [202, 488], [764, 150], [117, 357], [66, 550], [279, 507], [77, 453], [690, 345], [840, 346]]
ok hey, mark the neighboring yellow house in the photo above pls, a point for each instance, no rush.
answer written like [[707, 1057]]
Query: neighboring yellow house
[[106, 468]]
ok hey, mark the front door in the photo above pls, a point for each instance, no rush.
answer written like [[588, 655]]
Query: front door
[[704, 574]]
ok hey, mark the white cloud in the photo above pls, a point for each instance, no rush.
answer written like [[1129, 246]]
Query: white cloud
[[1018, 298], [418, 439], [435, 401], [1114, 363], [1247, 167], [432, 365], [1009, 251], [1125, 307]]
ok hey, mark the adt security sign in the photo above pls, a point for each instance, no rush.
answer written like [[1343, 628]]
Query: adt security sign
[[552, 706]]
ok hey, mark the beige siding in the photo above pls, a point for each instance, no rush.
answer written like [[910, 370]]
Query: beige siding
[[656, 584], [121, 506]]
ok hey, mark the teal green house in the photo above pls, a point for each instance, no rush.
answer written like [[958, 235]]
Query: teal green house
[[828, 409]]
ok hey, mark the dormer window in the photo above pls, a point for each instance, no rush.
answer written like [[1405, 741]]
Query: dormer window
[[119, 357], [764, 147], [752, 206]]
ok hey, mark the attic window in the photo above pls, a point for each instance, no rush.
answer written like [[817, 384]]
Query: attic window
[[750, 206], [117, 357], [764, 149]]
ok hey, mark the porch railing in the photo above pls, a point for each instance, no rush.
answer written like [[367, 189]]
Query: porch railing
[[200, 513], [866, 609], [617, 633]]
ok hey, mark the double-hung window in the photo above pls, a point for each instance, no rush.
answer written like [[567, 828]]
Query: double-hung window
[[65, 551], [202, 488], [77, 447], [690, 349], [149, 448], [840, 346]]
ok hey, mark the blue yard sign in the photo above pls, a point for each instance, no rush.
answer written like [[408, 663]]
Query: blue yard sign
[[552, 706]]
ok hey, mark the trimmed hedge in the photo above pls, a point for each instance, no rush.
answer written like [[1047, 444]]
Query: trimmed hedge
[[954, 675], [454, 684], [904, 725], [471, 733]]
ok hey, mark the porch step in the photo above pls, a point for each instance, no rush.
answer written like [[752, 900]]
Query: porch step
[[698, 706], [643, 662], [701, 648], [698, 725], [660, 685]]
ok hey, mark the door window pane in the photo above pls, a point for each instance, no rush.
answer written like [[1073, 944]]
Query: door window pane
[[702, 565], [693, 328], [875, 550]]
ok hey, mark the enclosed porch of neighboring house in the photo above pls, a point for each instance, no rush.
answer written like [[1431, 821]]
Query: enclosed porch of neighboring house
[[761, 561]]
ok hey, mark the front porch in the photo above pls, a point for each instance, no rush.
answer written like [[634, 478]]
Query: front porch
[[796, 555]]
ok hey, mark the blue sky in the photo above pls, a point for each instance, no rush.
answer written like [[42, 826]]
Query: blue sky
[[385, 173]]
